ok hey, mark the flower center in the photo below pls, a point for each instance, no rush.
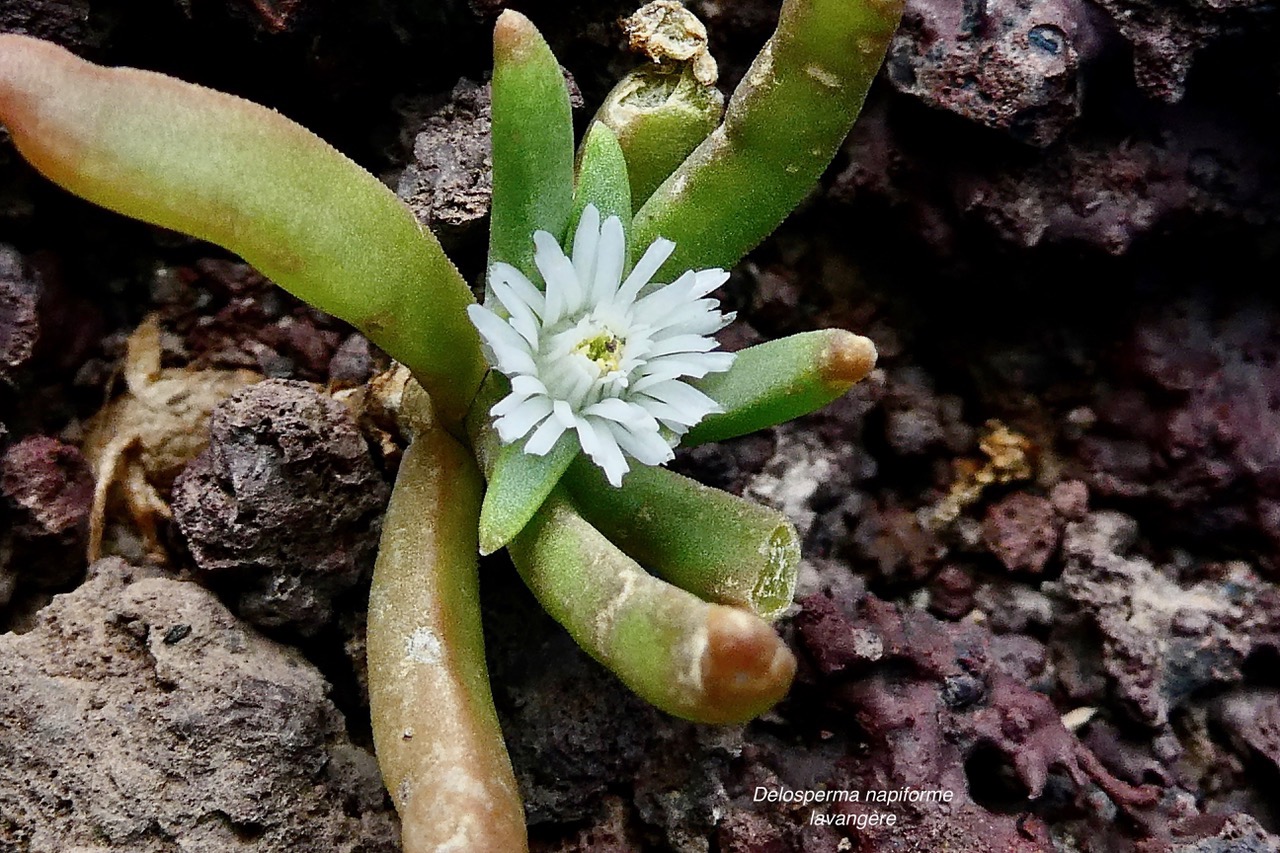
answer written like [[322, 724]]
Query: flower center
[[604, 349]]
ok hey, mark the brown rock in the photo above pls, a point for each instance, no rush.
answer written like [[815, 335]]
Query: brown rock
[[449, 181], [50, 482], [138, 715], [286, 500]]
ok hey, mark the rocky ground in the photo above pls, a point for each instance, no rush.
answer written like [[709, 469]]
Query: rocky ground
[[1042, 542]]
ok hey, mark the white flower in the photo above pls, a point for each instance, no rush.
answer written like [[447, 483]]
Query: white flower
[[598, 355]]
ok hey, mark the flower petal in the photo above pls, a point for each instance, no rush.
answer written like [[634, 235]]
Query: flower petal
[[691, 404], [587, 437], [525, 416], [707, 281], [510, 350], [652, 260], [646, 447], [508, 404], [665, 413], [525, 384], [544, 437], [692, 365], [519, 284], [611, 257], [631, 416], [602, 447], [586, 240], [702, 318], [682, 343], [564, 291], [666, 300]]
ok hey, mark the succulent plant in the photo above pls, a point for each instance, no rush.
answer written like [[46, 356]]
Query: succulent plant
[[594, 335]]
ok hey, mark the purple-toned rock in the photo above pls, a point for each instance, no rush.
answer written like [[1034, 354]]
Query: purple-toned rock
[[1014, 66], [50, 482], [1022, 531]]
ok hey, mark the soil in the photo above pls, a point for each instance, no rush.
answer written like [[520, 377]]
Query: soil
[[1042, 541]]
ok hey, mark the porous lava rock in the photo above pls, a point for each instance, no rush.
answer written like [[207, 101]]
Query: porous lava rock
[[286, 501], [19, 320], [1006, 64], [139, 715], [46, 489], [931, 704], [1167, 35], [1189, 428], [448, 182], [1165, 635]]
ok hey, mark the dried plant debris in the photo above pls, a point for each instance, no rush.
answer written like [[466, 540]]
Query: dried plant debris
[[139, 715], [669, 34], [1008, 460], [285, 506], [139, 442]]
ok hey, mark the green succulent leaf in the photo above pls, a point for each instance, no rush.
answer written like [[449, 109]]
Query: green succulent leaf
[[240, 175], [602, 180], [705, 662], [782, 128], [427, 673], [532, 144], [518, 485], [777, 381], [659, 118]]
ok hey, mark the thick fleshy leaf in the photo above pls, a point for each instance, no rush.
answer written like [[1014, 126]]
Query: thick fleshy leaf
[[782, 128], [518, 484], [532, 144], [433, 713], [602, 179], [245, 177], [710, 663], [774, 382], [659, 118]]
